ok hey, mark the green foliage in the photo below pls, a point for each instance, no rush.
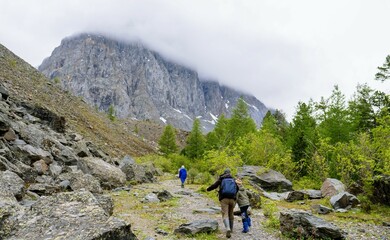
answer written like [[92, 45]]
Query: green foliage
[[204, 178], [241, 122], [196, 143], [219, 137], [303, 137], [57, 80], [167, 142], [270, 210], [159, 161], [335, 122], [265, 149], [111, 113], [192, 173], [218, 161], [381, 145], [383, 73], [361, 109]]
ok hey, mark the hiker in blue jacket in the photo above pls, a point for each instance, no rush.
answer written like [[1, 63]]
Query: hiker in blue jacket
[[227, 197], [182, 175]]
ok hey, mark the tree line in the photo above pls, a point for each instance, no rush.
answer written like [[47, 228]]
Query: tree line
[[333, 137]]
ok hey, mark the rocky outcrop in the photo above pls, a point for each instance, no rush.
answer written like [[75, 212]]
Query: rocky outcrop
[[47, 185], [343, 200], [138, 173], [302, 225], [73, 215], [109, 176], [267, 179], [140, 83], [331, 187]]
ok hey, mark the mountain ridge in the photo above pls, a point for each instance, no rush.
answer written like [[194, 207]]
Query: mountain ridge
[[140, 83]]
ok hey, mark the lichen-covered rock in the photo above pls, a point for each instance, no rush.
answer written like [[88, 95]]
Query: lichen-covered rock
[[108, 175], [72, 215], [78, 180], [13, 183], [301, 224]]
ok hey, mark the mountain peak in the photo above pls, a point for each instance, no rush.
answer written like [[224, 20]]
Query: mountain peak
[[140, 83]]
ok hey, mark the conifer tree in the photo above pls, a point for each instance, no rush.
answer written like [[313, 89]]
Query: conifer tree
[[196, 142], [218, 138], [241, 122], [167, 142]]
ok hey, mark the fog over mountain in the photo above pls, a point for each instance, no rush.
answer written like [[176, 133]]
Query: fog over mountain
[[279, 51]]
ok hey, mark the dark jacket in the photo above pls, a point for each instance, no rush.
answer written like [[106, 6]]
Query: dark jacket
[[243, 197], [218, 184]]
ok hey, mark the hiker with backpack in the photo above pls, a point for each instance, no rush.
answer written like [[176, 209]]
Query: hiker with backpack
[[227, 197], [182, 175], [243, 202]]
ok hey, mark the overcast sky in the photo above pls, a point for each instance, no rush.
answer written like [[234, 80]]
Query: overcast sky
[[280, 51]]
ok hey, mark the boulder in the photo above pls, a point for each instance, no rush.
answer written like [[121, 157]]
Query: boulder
[[331, 187], [11, 182], [344, 200], [267, 179], [312, 194], [301, 225], [71, 215], [199, 226], [108, 175], [138, 173], [78, 180], [106, 202], [381, 192], [320, 209], [151, 198], [164, 196], [295, 196]]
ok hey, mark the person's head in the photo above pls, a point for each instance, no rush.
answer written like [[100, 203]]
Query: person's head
[[182, 166], [239, 182], [227, 171]]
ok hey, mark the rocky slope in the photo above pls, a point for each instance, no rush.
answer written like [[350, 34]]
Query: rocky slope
[[140, 83]]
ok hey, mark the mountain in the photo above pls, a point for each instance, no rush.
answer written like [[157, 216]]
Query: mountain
[[140, 83], [29, 86]]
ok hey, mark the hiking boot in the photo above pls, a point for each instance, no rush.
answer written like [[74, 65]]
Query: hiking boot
[[228, 233]]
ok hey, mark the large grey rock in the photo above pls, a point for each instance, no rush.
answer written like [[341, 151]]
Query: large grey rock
[[108, 175], [199, 226], [137, 173], [140, 83], [78, 180], [267, 179], [331, 187], [13, 183], [344, 200], [298, 224], [73, 215], [164, 196]]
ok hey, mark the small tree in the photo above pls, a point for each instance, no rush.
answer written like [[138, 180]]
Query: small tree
[[111, 112], [196, 142], [241, 122], [384, 73], [167, 142]]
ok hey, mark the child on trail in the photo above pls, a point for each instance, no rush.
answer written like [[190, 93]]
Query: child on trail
[[182, 175], [243, 197]]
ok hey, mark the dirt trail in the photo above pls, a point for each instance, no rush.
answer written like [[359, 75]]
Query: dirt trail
[[149, 219]]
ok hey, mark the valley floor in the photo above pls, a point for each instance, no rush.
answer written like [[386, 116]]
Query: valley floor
[[158, 220]]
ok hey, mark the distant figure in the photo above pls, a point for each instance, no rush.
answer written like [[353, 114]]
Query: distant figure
[[227, 197], [243, 202], [182, 175]]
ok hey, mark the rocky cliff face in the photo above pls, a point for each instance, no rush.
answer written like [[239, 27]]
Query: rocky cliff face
[[140, 83]]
